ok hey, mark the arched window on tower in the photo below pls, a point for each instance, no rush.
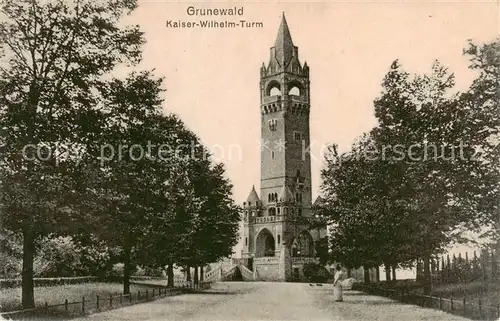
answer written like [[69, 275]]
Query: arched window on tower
[[294, 91], [275, 91], [273, 88]]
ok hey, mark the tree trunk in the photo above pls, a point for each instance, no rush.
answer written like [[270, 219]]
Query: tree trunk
[[196, 274], [418, 277], [27, 283], [427, 276], [387, 268], [188, 274], [28, 293], [202, 277], [377, 274], [170, 275], [366, 274], [394, 273], [349, 273], [127, 269]]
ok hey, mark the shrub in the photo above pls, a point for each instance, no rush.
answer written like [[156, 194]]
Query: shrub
[[39, 282], [314, 272], [57, 257]]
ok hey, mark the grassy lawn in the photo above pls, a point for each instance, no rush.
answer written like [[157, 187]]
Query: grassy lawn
[[10, 298], [488, 294]]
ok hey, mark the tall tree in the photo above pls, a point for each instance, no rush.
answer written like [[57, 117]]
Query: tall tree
[[53, 55], [130, 183], [480, 106], [163, 244], [422, 185], [216, 230], [211, 222]]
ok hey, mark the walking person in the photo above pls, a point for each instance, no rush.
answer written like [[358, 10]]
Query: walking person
[[337, 286]]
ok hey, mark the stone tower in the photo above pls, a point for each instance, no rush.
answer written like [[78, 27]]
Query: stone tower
[[276, 243]]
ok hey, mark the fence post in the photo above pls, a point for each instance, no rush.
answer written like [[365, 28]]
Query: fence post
[[46, 308], [153, 293], [66, 305], [97, 302], [121, 298], [146, 294], [83, 305], [451, 299], [440, 303], [480, 308], [138, 295], [110, 300], [465, 306]]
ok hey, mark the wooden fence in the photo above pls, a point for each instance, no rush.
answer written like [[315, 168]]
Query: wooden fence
[[464, 284], [86, 306], [473, 309], [464, 268]]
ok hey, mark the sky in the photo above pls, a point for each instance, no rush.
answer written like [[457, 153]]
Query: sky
[[212, 75]]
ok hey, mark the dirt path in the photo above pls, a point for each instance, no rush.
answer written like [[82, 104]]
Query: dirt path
[[272, 301]]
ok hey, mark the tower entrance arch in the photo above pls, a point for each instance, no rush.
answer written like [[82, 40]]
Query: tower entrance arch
[[265, 244]]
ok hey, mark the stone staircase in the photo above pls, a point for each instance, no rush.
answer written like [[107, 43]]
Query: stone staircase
[[231, 274], [246, 273], [214, 275]]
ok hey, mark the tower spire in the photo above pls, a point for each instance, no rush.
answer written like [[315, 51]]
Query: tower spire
[[283, 45]]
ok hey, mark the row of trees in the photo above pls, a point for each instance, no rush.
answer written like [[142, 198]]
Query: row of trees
[[425, 174], [91, 156]]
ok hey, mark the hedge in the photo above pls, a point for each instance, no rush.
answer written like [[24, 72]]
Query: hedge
[[13, 283]]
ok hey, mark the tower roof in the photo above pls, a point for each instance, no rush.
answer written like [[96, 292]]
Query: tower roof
[[253, 197], [286, 195], [283, 45]]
